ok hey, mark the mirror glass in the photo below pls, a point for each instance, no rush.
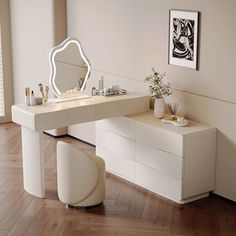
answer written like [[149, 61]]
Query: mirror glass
[[70, 69]]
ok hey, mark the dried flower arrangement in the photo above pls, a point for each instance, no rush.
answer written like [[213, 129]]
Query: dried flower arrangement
[[158, 88]]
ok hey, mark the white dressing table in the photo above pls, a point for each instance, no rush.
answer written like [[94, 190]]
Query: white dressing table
[[36, 119]]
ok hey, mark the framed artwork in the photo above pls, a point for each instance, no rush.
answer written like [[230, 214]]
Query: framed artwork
[[183, 38]]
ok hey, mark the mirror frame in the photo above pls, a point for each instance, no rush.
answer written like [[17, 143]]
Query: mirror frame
[[52, 55]]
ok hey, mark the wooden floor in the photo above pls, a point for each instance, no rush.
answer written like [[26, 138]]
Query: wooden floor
[[127, 210]]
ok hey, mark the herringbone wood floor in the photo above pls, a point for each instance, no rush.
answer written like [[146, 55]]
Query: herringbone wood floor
[[127, 210]]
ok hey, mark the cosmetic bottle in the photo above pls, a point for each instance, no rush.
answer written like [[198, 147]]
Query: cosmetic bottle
[[32, 99], [93, 91], [100, 84], [45, 98], [27, 96]]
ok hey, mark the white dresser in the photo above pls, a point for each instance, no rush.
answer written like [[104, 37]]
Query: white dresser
[[175, 162]]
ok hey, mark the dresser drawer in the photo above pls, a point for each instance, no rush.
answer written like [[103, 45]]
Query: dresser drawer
[[117, 144], [162, 139], [163, 162], [118, 125], [157, 182], [117, 164]]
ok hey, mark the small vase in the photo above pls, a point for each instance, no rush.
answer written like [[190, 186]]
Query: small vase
[[159, 108]]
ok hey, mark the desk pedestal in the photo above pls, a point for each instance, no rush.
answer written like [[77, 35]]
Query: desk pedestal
[[33, 162]]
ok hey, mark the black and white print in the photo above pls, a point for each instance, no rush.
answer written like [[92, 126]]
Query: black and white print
[[183, 38]]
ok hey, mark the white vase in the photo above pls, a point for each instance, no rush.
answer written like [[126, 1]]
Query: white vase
[[159, 108]]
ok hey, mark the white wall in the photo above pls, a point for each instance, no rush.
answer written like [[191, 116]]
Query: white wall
[[32, 40], [124, 38], [35, 30]]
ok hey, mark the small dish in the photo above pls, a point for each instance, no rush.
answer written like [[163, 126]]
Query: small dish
[[182, 124], [175, 122]]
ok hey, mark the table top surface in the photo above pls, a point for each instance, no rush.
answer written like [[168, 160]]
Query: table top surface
[[148, 118], [56, 115], [90, 101]]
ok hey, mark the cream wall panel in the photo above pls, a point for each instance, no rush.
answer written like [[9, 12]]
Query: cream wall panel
[[126, 38]]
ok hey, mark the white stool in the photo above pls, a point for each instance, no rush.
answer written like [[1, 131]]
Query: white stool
[[80, 177]]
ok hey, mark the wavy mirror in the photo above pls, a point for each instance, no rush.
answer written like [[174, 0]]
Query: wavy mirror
[[70, 69]]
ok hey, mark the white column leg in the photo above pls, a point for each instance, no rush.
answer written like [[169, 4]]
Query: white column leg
[[33, 162]]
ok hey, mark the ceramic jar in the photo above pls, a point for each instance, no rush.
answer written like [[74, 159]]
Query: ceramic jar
[[159, 108]]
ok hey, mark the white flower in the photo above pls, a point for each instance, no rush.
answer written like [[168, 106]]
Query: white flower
[[158, 88]]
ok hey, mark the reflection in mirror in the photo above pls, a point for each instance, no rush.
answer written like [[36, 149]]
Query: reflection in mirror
[[70, 69]]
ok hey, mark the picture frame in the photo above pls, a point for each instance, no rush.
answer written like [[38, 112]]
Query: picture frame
[[183, 38]]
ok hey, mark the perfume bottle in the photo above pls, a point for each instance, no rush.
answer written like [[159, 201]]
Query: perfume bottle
[[32, 99], [27, 96], [100, 84]]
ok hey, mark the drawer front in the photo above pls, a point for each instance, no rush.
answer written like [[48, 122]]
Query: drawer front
[[159, 138], [84, 131], [117, 144], [162, 184], [119, 125], [123, 106], [163, 162], [117, 164]]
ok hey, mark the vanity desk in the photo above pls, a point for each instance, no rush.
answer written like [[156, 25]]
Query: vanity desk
[[36, 119]]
